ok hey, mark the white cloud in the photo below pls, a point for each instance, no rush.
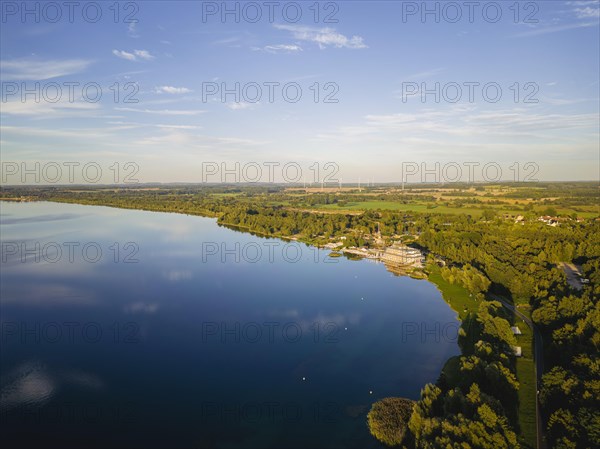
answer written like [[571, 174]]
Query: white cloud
[[172, 90], [124, 55], [137, 54], [282, 48], [239, 106], [163, 111], [324, 37], [144, 54], [587, 12], [583, 14], [34, 69]]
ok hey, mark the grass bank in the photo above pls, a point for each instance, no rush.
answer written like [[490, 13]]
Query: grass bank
[[460, 301], [458, 297]]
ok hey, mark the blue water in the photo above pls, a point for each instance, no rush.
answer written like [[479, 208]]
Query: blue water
[[171, 331]]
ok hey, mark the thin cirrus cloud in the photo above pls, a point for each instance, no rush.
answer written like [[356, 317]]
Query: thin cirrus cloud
[[163, 111], [239, 106], [45, 109], [468, 125], [172, 90], [120, 125], [323, 37], [135, 56], [37, 69], [71, 133], [586, 12], [482, 123], [280, 48], [556, 29], [132, 31]]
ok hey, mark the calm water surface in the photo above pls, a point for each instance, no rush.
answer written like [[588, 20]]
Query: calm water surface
[[138, 329]]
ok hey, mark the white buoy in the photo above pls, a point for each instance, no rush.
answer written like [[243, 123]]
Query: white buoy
[[370, 391], [304, 378]]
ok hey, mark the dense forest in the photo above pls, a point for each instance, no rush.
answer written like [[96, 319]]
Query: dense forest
[[478, 408], [486, 252]]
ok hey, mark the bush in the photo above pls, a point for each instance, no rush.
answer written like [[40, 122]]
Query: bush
[[388, 420]]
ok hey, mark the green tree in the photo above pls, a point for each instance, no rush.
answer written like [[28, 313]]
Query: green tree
[[388, 420]]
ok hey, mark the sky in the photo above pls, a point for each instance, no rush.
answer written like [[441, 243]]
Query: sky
[[314, 92]]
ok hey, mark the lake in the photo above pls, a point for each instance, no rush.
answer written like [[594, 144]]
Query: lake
[[125, 328]]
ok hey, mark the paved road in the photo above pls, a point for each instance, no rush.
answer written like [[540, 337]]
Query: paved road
[[538, 357]]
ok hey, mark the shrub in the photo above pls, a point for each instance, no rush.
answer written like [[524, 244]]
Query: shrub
[[388, 420]]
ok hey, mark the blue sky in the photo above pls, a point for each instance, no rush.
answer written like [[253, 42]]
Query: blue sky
[[364, 59]]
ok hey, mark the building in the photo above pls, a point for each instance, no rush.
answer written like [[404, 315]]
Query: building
[[399, 254]]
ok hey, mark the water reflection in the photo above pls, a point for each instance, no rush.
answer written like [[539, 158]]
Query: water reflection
[[190, 342]]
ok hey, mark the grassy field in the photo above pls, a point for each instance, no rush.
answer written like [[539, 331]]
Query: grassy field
[[474, 211], [527, 393], [368, 205], [226, 194], [392, 205], [446, 203], [454, 294], [511, 206], [581, 211]]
